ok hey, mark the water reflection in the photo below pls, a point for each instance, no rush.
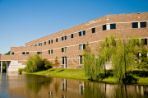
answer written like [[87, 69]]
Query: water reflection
[[31, 86]]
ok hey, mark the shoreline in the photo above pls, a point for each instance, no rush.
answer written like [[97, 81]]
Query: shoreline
[[78, 74]]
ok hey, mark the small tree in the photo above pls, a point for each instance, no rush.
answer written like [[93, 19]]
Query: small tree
[[56, 64], [36, 63]]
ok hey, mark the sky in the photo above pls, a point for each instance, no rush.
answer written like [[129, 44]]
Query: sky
[[22, 21]]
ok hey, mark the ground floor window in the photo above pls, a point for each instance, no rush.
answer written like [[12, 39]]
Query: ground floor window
[[80, 59]]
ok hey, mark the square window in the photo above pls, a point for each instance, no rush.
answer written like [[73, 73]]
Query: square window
[[112, 26], [93, 30], [135, 25], [143, 24]]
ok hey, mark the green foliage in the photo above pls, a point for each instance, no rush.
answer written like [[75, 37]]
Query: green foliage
[[36, 63], [122, 54], [8, 53]]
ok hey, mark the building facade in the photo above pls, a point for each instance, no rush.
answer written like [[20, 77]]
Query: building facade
[[68, 45]]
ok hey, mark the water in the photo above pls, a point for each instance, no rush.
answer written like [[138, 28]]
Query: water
[[31, 86]]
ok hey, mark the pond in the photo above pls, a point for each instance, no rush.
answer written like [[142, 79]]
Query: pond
[[32, 86]]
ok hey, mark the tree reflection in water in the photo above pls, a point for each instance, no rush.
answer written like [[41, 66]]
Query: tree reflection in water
[[35, 83]]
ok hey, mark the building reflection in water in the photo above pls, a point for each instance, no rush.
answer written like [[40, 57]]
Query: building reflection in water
[[38, 87]]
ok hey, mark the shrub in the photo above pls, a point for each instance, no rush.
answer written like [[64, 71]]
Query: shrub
[[36, 63]]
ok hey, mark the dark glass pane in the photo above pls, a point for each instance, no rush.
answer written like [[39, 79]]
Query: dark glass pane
[[80, 33], [143, 24], [56, 39], [135, 25], [84, 32], [104, 27], [93, 30], [112, 26], [72, 36]]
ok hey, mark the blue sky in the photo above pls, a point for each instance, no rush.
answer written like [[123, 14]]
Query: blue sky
[[25, 20]]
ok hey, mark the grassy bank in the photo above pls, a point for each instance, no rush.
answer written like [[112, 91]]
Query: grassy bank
[[79, 74], [63, 73]]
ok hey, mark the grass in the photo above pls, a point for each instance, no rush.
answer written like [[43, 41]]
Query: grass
[[63, 73], [80, 74]]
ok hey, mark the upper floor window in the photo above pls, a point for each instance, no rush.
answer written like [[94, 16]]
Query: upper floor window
[[93, 30], [44, 43], [113, 26], [139, 24], [81, 33], [40, 44], [82, 46], [56, 39], [63, 49], [62, 38], [51, 41], [48, 41], [109, 26], [72, 35], [65, 37], [143, 24], [104, 27], [135, 25]]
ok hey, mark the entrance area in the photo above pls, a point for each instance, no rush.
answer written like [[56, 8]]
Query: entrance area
[[64, 61], [4, 66]]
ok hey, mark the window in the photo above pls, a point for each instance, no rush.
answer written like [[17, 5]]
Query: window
[[56, 39], [144, 41], [27, 52], [39, 52], [82, 46], [93, 30], [12, 53], [72, 35], [23, 53], [109, 26], [44, 43], [65, 37], [50, 51], [40, 44], [63, 49], [81, 33], [62, 38], [135, 25], [80, 59], [48, 41], [112, 26], [143, 24], [104, 27], [51, 41]]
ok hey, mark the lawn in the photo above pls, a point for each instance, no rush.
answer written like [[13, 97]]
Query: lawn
[[63, 73]]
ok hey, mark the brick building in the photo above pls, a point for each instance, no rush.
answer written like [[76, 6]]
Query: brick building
[[67, 45]]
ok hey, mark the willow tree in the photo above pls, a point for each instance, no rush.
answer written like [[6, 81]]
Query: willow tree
[[90, 64]]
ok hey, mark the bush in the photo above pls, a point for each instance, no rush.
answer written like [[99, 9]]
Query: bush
[[36, 63]]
